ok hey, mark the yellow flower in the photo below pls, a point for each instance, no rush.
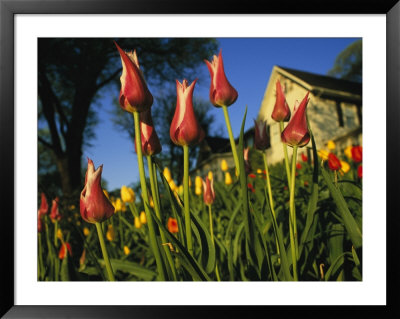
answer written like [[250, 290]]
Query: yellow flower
[[198, 182], [142, 217], [86, 231], [210, 175], [126, 250], [345, 166], [167, 174], [198, 190], [228, 178], [137, 222], [172, 185], [78, 223], [106, 193], [71, 207], [259, 171], [180, 190], [324, 154], [151, 202], [118, 205], [347, 152], [127, 194], [224, 165], [331, 145], [110, 233], [59, 234]]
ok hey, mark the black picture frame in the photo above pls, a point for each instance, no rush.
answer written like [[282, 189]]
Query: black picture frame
[[8, 10]]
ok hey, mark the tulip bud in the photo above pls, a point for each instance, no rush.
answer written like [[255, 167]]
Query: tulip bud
[[94, 205], [304, 157], [180, 190], [224, 165], [150, 142], [198, 190], [143, 218], [261, 141], [172, 225], [65, 247], [356, 154], [281, 112], [126, 250], [110, 235], [333, 162], [118, 205], [345, 167], [127, 194], [324, 154], [198, 182], [167, 174], [134, 95], [210, 176], [172, 185], [296, 132], [55, 213], [44, 207], [222, 93], [228, 178], [347, 151], [208, 190], [137, 222], [86, 231], [60, 234], [331, 145], [185, 129]]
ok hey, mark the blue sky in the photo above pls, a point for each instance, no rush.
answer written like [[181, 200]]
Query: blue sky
[[248, 64]]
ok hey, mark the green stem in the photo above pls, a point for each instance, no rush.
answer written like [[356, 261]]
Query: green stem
[[292, 218], [212, 239], [40, 259], [286, 156], [154, 192], [231, 138], [150, 222], [55, 232], [104, 251], [186, 199]]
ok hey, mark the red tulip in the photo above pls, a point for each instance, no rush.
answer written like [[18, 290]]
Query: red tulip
[[39, 223], [252, 176], [55, 213], [333, 162], [208, 191], [281, 110], [296, 132], [65, 247], [356, 154], [44, 207], [222, 93], [304, 157], [185, 129], [134, 95], [261, 141], [94, 205], [359, 171], [150, 142], [298, 166], [172, 225]]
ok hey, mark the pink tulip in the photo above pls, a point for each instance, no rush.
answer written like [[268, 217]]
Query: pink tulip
[[208, 191], [261, 141], [222, 93], [44, 207], [185, 129], [94, 205], [55, 213], [150, 142], [281, 110], [134, 95], [296, 132]]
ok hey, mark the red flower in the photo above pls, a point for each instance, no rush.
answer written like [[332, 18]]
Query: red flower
[[296, 132], [39, 223], [281, 110], [208, 191], [356, 154], [261, 141], [359, 171], [306, 183], [222, 92], [94, 205], [134, 95], [172, 225], [252, 176], [251, 187], [298, 166], [55, 213], [333, 162], [63, 250], [150, 142], [185, 129], [44, 207], [304, 157]]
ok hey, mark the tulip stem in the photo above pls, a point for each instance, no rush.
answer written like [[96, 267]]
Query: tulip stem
[[212, 239], [150, 222], [285, 152], [231, 138], [186, 198], [55, 232], [104, 251], [292, 217], [154, 192], [40, 259]]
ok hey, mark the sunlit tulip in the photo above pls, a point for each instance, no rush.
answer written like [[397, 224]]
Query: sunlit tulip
[[185, 129], [172, 185], [324, 154], [172, 225], [224, 165], [347, 151], [261, 141], [110, 235], [142, 217], [134, 95], [55, 213], [65, 247], [210, 175], [331, 145], [356, 154], [281, 110], [86, 231], [118, 205], [150, 143], [167, 174], [127, 251], [127, 194], [198, 182], [208, 190], [44, 206], [345, 167], [228, 178], [198, 190], [180, 190], [137, 222], [222, 93], [94, 205], [333, 162], [259, 171], [296, 132]]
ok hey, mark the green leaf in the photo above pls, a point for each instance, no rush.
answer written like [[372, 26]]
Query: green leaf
[[338, 262], [131, 268], [64, 273]]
